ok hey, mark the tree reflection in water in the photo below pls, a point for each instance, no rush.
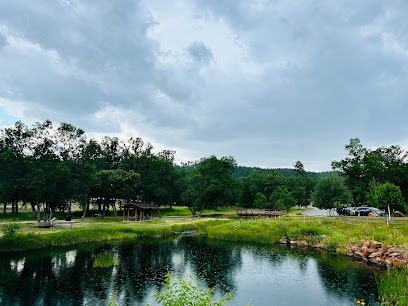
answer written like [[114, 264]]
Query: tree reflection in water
[[66, 276]]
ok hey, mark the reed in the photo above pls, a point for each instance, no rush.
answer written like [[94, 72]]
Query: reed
[[393, 287], [104, 260]]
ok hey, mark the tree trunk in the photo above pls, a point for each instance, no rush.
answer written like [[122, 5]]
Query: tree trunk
[[13, 211], [201, 211], [158, 211], [33, 211], [38, 210], [45, 212], [193, 210], [16, 208], [52, 211], [86, 210], [115, 213], [5, 209]]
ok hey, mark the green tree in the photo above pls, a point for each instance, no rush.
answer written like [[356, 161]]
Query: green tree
[[329, 190], [260, 201], [281, 198], [212, 185], [387, 194], [384, 164]]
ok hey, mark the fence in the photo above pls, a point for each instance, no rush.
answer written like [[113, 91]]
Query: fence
[[397, 223]]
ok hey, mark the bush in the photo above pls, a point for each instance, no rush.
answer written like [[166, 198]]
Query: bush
[[10, 230], [185, 292]]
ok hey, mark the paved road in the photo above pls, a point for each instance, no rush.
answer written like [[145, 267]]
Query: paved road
[[316, 212]]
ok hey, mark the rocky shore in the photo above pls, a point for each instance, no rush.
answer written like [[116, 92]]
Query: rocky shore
[[367, 250]]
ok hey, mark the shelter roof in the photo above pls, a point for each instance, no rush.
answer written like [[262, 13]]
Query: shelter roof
[[139, 205]]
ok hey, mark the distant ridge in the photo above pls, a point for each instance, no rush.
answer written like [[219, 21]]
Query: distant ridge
[[244, 171]]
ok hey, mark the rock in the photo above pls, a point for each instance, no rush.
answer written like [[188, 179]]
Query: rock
[[284, 240], [362, 241], [388, 262], [317, 246], [371, 214], [395, 254], [367, 244], [371, 250], [355, 248], [398, 214], [303, 243], [359, 255], [377, 245], [293, 242], [374, 255], [399, 263], [383, 248], [391, 250]]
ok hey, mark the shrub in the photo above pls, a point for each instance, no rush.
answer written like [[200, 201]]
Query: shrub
[[10, 230], [185, 292]]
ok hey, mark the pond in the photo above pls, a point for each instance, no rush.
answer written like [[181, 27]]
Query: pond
[[259, 274]]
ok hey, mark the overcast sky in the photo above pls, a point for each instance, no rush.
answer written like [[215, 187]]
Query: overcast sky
[[268, 82]]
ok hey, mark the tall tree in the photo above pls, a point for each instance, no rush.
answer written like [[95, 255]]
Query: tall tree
[[330, 190], [212, 185]]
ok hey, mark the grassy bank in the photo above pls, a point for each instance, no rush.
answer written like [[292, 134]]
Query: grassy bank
[[99, 230], [329, 233]]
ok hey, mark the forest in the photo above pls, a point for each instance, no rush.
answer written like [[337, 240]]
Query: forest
[[51, 168]]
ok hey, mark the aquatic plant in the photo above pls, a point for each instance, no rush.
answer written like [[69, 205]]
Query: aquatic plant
[[104, 260], [393, 287], [187, 291]]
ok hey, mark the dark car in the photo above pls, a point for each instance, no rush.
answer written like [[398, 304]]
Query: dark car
[[377, 211], [362, 211], [349, 212]]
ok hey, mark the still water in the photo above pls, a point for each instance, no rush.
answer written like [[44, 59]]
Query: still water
[[259, 274]]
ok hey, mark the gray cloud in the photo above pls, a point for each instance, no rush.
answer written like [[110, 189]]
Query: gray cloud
[[268, 82], [200, 53]]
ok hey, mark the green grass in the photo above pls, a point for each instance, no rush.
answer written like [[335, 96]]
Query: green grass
[[333, 234], [185, 211], [104, 260], [393, 287], [97, 230]]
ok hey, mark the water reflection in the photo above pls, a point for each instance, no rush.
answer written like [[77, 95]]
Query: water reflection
[[260, 274]]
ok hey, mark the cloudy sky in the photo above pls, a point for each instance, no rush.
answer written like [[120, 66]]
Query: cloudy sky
[[269, 82]]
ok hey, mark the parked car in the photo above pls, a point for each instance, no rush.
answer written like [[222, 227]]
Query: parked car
[[365, 211], [377, 211], [362, 211], [348, 212]]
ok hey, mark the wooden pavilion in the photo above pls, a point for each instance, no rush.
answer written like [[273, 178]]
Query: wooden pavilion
[[135, 211]]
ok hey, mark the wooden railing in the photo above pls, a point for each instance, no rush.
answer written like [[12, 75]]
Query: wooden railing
[[269, 213]]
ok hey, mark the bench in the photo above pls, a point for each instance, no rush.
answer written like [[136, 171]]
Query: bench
[[44, 224]]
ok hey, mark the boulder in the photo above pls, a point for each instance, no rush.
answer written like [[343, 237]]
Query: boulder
[[284, 240], [303, 243], [378, 245], [374, 255], [371, 250], [317, 246], [398, 214], [355, 248], [399, 263], [293, 242], [359, 255]]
